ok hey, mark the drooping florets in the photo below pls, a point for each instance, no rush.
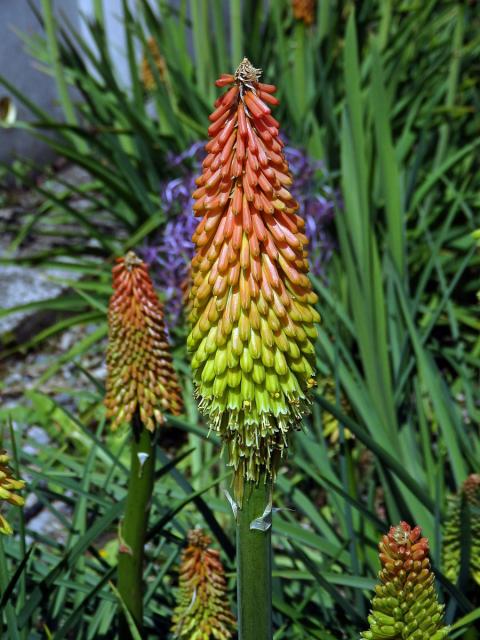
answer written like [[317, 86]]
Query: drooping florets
[[251, 300], [202, 611], [463, 506], [8, 488], [405, 605], [140, 372]]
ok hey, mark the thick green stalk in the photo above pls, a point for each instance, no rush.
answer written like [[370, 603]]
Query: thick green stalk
[[134, 526], [236, 37], [254, 563]]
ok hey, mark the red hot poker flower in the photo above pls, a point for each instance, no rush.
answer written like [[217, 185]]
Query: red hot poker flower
[[203, 611], [405, 604], [140, 373], [251, 299]]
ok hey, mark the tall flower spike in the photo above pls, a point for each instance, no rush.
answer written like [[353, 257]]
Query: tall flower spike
[[405, 605], [468, 501], [252, 317], [8, 487], [140, 374], [202, 612]]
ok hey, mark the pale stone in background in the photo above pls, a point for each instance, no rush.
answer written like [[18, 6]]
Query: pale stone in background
[[20, 70]]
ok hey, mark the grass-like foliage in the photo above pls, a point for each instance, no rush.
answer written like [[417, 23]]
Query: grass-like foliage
[[385, 94]]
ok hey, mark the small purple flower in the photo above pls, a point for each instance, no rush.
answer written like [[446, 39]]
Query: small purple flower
[[170, 252]]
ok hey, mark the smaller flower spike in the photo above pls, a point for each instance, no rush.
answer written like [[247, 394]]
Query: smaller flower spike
[[8, 486], [140, 374], [468, 501], [304, 10], [202, 612], [146, 71], [405, 606]]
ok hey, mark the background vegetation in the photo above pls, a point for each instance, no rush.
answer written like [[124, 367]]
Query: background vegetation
[[387, 97]]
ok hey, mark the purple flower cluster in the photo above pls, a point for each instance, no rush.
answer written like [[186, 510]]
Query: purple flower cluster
[[169, 253], [317, 200]]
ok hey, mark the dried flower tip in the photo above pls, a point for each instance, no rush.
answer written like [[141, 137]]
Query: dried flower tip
[[131, 261], [202, 611], [8, 488], [246, 72], [405, 604], [140, 373], [471, 489]]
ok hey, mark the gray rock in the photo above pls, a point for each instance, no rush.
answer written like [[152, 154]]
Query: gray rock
[[21, 285]]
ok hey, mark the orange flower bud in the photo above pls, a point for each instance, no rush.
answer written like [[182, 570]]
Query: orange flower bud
[[140, 373]]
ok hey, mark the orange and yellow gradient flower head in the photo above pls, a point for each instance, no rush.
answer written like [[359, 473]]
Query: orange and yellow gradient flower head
[[8, 488], [405, 604], [253, 323], [202, 611], [140, 373]]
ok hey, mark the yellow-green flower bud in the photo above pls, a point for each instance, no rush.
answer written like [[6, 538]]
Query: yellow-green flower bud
[[8, 488], [405, 605]]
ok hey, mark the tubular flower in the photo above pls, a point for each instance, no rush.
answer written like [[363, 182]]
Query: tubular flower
[[251, 300], [202, 611], [8, 486], [146, 71], [405, 605], [466, 504], [304, 10], [140, 374]]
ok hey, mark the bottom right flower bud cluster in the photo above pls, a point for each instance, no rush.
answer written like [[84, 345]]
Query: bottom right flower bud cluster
[[405, 605]]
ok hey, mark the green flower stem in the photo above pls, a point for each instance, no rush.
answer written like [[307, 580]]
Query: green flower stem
[[254, 564], [134, 526], [236, 31]]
